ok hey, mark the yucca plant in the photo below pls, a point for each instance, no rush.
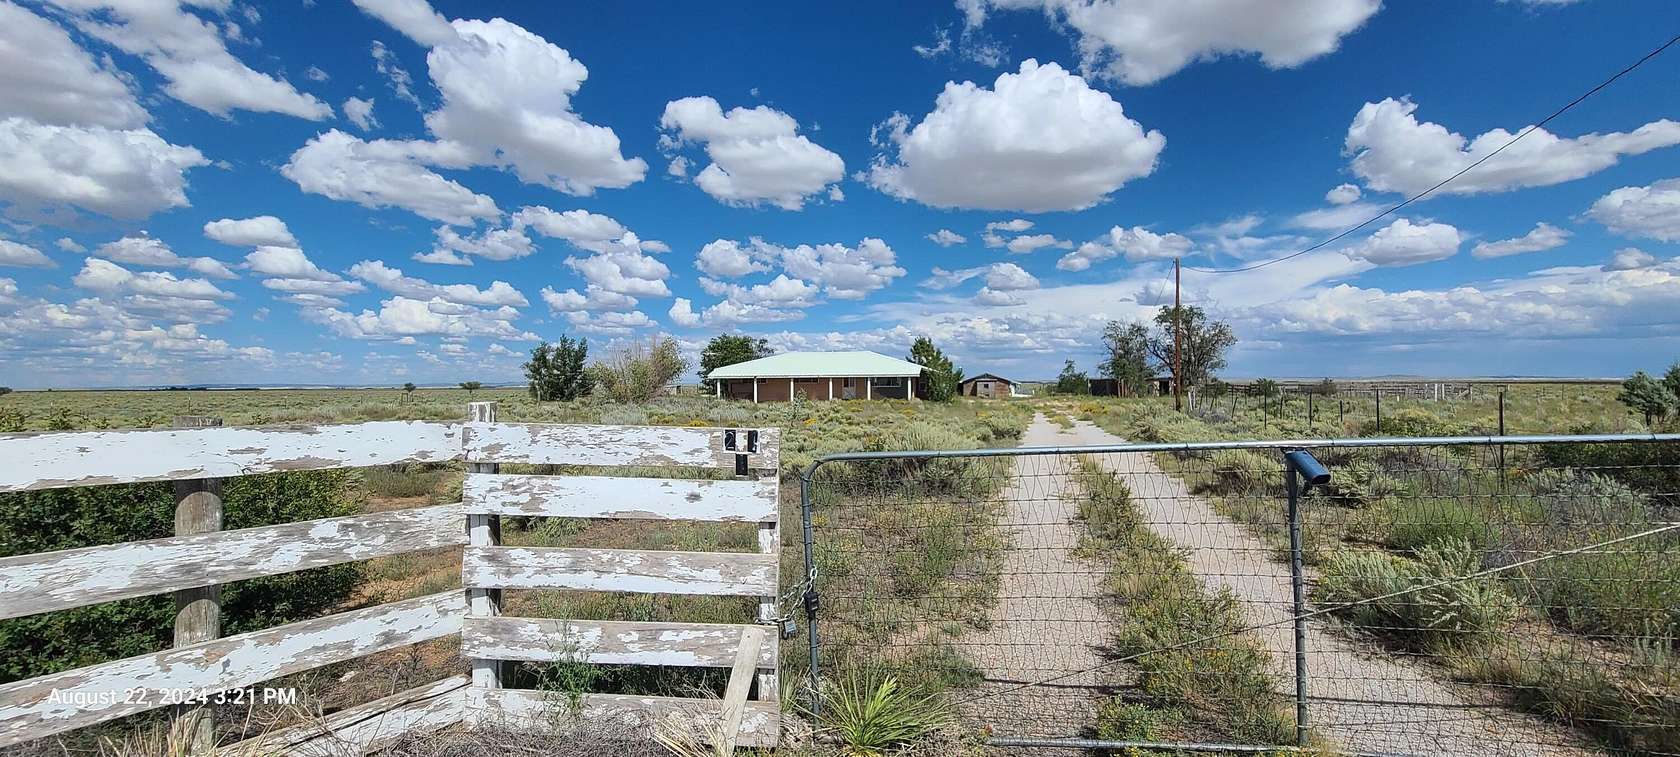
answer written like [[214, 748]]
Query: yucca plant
[[870, 714]]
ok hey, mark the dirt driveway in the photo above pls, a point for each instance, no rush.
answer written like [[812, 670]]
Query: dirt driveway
[[1363, 699]]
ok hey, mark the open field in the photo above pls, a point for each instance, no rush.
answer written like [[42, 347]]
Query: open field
[[1530, 408]]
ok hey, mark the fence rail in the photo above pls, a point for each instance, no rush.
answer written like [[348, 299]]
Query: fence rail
[[188, 564], [1483, 595]]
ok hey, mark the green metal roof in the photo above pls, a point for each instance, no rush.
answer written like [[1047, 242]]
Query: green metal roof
[[818, 364]]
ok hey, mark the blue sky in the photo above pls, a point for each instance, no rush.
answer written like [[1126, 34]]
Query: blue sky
[[385, 190]]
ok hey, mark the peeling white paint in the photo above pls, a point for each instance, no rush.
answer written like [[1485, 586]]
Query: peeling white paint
[[30, 710], [619, 497], [88, 458], [636, 571], [48, 581], [606, 642]]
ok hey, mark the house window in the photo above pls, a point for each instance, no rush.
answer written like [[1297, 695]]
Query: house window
[[847, 384], [888, 382]]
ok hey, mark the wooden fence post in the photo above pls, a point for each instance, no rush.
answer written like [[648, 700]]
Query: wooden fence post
[[198, 611], [484, 531]]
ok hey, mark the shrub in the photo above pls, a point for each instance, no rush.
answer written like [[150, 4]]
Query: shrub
[[1238, 471], [640, 371], [870, 714], [1360, 482], [1420, 614], [1410, 422], [1414, 524], [1653, 469]]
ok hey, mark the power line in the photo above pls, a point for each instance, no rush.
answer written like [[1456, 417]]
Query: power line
[[1449, 179]]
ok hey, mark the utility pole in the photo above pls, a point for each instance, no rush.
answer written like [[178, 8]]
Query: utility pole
[[1178, 359]]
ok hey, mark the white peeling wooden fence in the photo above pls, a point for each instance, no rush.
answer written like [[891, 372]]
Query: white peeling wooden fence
[[45, 582]]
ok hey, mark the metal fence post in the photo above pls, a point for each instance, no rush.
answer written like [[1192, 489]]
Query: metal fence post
[[1502, 433], [198, 612], [810, 596], [1297, 584]]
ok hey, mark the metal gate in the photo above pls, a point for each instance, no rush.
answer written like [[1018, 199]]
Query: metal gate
[[1480, 596]]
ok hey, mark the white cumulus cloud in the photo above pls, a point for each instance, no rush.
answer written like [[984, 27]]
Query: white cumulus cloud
[[251, 232], [188, 51], [946, 238], [124, 173], [392, 280], [47, 78], [1038, 140], [1651, 211], [360, 113], [386, 173], [1404, 243], [1544, 236], [1395, 152], [757, 155], [19, 255], [1143, 41]]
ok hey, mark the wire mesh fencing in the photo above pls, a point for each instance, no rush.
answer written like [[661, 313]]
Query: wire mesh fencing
[[1433, 596]]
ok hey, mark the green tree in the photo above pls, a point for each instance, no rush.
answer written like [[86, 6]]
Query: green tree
[[1670, 380], [1137, 353], [1326, 388], [942, 379], [729, 349], [1203, 344], [1128, 357], [560, 371], [1072, 380], [5, 390], [408, 390], [471, 386], [1265, 387], [640, 371], [1648, 396]]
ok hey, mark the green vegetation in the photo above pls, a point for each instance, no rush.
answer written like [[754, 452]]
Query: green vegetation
[[729, 349], [941, 378], [559, 371], [1072, 380], [871, 713], [471, 387], [639, 371], [1182, 337], [1215, 690], [1128, 357], [1656, 400], [1416, 601]]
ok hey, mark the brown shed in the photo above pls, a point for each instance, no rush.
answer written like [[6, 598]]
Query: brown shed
[[989, 385]]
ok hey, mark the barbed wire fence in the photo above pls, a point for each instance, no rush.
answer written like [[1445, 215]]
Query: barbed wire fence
[[1509, 596]]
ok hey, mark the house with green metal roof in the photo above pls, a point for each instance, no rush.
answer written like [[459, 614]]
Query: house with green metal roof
[[851, 375]]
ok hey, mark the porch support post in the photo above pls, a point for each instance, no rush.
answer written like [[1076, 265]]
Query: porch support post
[[868, 387], [790, 390], [755, 390], [719, 387], [831, 387]]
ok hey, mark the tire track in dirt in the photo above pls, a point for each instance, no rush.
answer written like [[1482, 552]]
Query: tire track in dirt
[[1048, 620]]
